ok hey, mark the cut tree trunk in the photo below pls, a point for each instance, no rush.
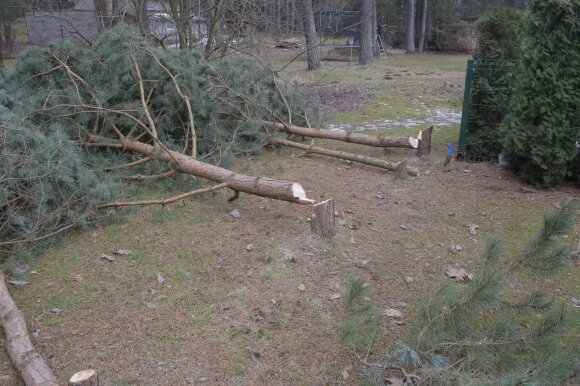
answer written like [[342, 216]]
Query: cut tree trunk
[[260, 186], [32, 367], [424, 138], [84, 378], [347, 136], [322, 221], [392, 166]]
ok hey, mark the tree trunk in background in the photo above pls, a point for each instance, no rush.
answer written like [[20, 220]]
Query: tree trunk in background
[[423, 27], [101, 14], [365, 37], [115, 13], [374, 31], [458, 4], [312, 49], [142, 16], [410, 27], [8, 38], [212, 28]]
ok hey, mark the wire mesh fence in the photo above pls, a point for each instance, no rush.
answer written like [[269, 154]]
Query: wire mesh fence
[[488, 88]]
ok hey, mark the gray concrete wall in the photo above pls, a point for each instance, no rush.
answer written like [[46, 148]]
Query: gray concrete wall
[[80, 27]]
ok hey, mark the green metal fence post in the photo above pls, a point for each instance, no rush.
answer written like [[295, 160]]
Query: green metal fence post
[[465, 112]]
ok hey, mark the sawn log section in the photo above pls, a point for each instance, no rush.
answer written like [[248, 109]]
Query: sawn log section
[[260, 186], [347, 136], [30, 364], [392, 166]]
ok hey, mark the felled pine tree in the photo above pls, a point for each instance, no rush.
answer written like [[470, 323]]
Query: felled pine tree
[[540, 132], [69, 85], [74, 116], [500, 34]]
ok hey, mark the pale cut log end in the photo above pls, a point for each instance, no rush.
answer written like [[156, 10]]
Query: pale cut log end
[[413, 171], [414, 142], [300, 195], [84, 378]]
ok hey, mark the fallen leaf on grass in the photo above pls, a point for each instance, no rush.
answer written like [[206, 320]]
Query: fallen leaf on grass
[[334, 296], [459, 274], [107, 257], [472, 228], [392, 313], [118, 251], [345, 374], [150, 305], [456, 248], [18, 282], [160, 278]]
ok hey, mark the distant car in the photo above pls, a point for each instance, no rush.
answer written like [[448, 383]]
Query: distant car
[[161, 17]]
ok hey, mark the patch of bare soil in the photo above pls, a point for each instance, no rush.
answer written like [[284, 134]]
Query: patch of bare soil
[[337, 97]]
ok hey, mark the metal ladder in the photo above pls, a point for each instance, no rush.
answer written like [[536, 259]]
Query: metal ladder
[[382, 52]]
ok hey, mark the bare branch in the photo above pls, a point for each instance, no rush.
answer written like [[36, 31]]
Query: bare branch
[[166, 201]]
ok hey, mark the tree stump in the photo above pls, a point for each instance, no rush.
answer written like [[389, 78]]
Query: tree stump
[[402, 171], [84, 378], [424, 138], [322, 222]]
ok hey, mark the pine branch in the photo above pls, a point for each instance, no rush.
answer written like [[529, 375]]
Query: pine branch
[[541, 251]]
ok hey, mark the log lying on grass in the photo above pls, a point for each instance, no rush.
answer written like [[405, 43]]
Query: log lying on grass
[[392, 166], [260, 186], [32, 367], [347, 136]]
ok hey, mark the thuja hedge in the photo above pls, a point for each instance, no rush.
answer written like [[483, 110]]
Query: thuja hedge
[[540, 133]]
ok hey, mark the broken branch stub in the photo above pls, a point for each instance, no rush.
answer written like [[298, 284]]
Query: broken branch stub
[[347, 136]]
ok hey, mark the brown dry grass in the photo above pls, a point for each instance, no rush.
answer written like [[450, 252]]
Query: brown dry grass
[[228, 316]]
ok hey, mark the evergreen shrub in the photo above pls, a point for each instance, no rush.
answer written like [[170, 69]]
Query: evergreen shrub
[[540, 131]]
